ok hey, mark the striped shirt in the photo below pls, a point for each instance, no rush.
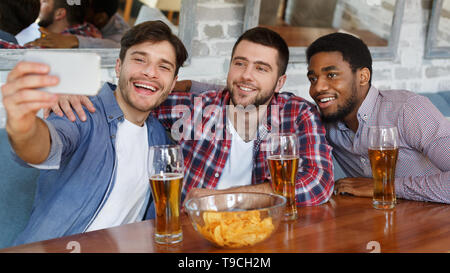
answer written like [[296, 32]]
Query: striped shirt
[[206, 143], [423, 165]]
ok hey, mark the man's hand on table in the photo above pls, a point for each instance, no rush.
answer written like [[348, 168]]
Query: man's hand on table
[[357, 186]]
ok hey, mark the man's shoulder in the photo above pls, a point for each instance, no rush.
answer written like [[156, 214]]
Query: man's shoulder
[[204, 96], [399, 96], [290, 99], [86, 29]]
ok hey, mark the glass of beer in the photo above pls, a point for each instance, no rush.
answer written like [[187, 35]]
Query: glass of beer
[[166, 172], [283, 157], [383, 152]]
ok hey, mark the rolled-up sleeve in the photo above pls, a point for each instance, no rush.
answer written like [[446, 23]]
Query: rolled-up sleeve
[[63, 134]]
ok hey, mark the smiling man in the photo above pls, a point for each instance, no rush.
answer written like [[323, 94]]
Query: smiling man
[[94, 173], [224, 144], [340, 72]]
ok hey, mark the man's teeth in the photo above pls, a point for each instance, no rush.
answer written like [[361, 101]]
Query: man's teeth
[[327, 99], [151, 88], [245, 89]]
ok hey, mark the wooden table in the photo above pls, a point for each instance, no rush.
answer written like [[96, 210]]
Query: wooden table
[[344, 224]]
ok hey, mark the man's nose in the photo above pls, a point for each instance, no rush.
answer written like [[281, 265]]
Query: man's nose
[[150, 71], [321, 84], [247, 74]]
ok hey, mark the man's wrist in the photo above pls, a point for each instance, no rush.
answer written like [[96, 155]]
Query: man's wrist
[[16, 137]]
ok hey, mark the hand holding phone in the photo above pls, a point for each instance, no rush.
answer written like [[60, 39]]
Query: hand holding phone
[[79, 73]]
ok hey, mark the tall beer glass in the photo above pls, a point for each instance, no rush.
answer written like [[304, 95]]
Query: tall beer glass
[[283, 157], [166, 172], [383, 152]]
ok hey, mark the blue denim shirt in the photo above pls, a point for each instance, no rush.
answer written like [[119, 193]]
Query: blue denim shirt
[[5, 36], [79, 173]]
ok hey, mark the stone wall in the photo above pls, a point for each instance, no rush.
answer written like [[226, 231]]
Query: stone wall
[[220, 22]]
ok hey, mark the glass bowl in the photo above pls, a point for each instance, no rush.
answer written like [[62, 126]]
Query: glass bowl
[[234, 220]]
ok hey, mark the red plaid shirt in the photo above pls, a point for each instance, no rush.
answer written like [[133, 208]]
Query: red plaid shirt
[[7, 45], [85, 29], [205, 154]]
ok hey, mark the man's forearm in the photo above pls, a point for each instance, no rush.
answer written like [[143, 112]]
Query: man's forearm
[[431, 188], [263, 188], [34, 147]]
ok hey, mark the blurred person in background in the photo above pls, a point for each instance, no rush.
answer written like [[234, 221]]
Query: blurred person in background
[[59, 17], [103, 15], [16, 15]]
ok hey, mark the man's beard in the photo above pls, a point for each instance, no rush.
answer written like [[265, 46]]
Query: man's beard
[[258, 100], [344, 110], [47, 20]]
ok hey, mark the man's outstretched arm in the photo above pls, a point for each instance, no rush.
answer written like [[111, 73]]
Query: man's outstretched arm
[[28, 134]]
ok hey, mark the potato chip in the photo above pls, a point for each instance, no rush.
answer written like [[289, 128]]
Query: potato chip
[[235, 229]]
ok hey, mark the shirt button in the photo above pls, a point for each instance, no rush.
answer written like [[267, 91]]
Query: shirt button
[[363, 160], [217, 175], [226, 148], [110, 117], [365, 117], [113, 136]]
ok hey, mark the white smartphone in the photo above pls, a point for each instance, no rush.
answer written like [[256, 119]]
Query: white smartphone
[[79, 73]]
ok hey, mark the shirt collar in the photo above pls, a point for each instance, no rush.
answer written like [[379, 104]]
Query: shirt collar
[[367, 107], [5, 36], [365, 110], [112, 109], [262, 130]]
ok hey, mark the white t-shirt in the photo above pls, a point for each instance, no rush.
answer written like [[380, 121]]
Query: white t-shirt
[[239, 166], [125, 203]]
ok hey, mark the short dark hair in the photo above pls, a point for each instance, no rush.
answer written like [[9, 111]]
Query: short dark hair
[[110, 7], [153, 31], [75, 12], [267, 37], [353, 50], [16, 15]]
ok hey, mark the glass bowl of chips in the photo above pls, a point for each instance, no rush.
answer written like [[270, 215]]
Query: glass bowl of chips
[[234, 220]]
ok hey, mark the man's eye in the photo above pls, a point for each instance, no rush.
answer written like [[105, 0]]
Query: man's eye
[[312, 79], [261, 69], [139, 60], [332, 75], [167, 68]]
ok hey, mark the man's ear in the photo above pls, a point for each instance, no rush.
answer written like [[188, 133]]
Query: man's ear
[[118, 67], [280, 82], [173, 84], [364, 76], [60, 14]]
